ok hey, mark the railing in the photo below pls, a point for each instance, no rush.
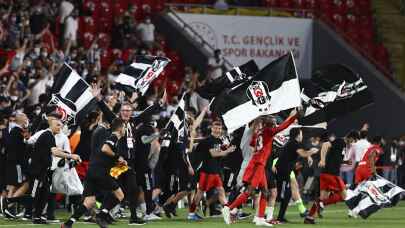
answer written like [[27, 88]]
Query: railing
[[197, 37], [265, 11]]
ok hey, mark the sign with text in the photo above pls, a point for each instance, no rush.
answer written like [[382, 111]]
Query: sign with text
[[263, 39]]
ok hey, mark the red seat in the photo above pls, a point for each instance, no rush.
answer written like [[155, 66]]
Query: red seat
[[367, 35], [381, 55], [368, 47], [364, 7], [339, 21], [87, 39], [300, 4], [159, 6], [127, 54], [354, 37], [339, 7], [104, 40], [310, 4], [87, 24], [271, 3], [105, 58], [351, 22], [287, 4]]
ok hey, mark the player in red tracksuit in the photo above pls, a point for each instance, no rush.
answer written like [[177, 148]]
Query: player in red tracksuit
[[366, 167], [255, 174]]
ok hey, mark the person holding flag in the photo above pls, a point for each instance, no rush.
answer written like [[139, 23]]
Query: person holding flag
[[255, 174]]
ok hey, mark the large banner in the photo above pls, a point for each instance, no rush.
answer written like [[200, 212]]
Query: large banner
[[263, 39]]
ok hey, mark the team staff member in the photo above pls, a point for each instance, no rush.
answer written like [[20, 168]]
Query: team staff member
[[99, 179], [332, 187], [41, 162], [16, 158], [144, 136], [126, 148], [285, 165], [16, 161], [210, 171]]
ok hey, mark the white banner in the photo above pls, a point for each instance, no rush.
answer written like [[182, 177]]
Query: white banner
[[263, 39]]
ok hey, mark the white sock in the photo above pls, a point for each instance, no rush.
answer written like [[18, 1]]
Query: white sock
[[143, 207], [269, 213]]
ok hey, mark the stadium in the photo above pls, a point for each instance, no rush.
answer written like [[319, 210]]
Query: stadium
[[214, 113]]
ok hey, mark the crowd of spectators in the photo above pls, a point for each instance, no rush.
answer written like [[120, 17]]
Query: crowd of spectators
[[98, 38]]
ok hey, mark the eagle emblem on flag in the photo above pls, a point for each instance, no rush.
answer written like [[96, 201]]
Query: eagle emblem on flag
[[65, 107], [258, 92]]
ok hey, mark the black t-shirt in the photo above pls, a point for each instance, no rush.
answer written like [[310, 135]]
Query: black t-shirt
[[16, 148], [334, 157], [100, 163], [100, 134], [41, 158], [234, 160], [142, 150], [210, 164], [84, 147], [287, 157]]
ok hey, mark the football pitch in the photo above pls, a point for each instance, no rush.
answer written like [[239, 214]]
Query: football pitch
[[334, 217]]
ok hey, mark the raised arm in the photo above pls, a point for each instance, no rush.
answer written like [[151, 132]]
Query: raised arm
[[293, 116], [199, 119]]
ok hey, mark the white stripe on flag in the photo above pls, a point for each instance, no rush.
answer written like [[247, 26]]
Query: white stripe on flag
[[176, 121], [84, 99], [126, 80], [72, 79], [141, 66], [229, 76], [283, 98]]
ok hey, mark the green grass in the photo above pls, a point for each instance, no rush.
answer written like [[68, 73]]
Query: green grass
[[334, 217]]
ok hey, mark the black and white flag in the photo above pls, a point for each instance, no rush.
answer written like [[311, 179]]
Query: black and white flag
[[340, 91], [177, 126], [139, 75], [72, 96], [371, 195], [275, 88], [237, 75]]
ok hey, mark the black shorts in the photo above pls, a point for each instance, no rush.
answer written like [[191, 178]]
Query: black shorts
[[145, 180], [186, 181], [14, 174], [271, 179], [96, 183], [230, 179]]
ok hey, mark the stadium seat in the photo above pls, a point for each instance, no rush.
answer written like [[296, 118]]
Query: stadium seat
[[272, 3]]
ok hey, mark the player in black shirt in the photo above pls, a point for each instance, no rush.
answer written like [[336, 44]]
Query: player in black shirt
[[285, 164], [99, 178], [178, 165], [332, 187], [144, 136], [211, 168], [16, 160]]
